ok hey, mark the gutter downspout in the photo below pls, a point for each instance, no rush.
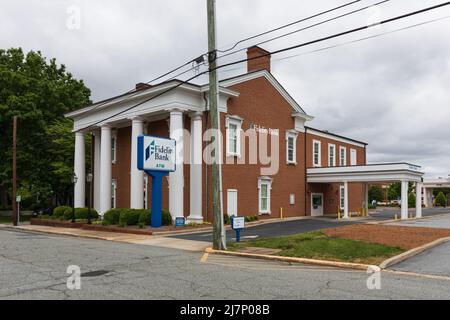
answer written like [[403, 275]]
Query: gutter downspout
[[306, 180]]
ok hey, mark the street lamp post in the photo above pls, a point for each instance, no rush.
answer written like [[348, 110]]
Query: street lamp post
[[74, 181], [89, 180]]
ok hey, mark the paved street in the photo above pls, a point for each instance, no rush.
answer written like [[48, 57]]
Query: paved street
[[33, 266], [304, 225], [435, 261]]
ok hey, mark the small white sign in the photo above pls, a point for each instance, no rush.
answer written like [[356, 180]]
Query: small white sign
[[156, 154], [238, 223], [18, 199]]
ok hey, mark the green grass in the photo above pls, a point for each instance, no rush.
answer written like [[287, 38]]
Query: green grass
[[316, 245], [7, 220]]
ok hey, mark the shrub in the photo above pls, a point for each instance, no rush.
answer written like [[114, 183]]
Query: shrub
[[111, 217], [58, 212], [129, 217], [145, 218], [80, 213], [372, 206], [251, 218], [166, 218], [440, 200]]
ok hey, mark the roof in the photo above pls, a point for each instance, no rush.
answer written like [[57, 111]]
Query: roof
[[336, 135]]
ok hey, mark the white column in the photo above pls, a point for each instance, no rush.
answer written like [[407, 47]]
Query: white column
[[196, 169], [105, 170], [404, 206], [425, 200], [176, 179], [137, 176], [418, 199], [80, 170], [345, 200], [97, 143]]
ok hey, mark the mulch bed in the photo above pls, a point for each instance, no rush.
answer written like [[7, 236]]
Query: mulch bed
[[96, 227], [404, 237]]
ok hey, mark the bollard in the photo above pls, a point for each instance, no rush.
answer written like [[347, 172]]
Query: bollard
[[395, 217], [281, 212]]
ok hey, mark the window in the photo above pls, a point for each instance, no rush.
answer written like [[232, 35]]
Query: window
[[113, 146], [316, 153], [291, 147], [113, 194], [341, 197], [233, 125], [264, 185], [353, 157], [331, 155], [342, 156], [145, 192]]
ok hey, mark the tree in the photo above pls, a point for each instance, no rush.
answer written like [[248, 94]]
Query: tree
[[411, 200], [375, 193], [39, 93], [440, 200], [395, 190]]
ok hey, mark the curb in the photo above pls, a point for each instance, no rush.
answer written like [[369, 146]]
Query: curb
[[326, 263], [411, 253]]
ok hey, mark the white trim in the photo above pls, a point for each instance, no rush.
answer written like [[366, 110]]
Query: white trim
[[113, 146], [113, 194], [333, 164], [335, 138], [319, 153], [291, 134], [340, 156], [273, 82], [237, 121], [267, 181]]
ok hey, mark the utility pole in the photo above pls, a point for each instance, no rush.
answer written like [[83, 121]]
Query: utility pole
[[14, 177], [219, 241]]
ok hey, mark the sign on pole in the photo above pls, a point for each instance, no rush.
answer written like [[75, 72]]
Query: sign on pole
[[237, 224], [157, 158]]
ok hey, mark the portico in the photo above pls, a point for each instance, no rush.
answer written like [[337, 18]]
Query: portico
[[429, 185], [376, 173], [168, 115]]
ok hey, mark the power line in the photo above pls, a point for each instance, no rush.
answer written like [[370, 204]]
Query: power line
[[289, 24], [338, 34], [200, 61], [352, 41], [307, 27], [280, 51]]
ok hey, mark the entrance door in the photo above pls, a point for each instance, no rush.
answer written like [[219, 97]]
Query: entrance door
[[316, 204], [232, 202]]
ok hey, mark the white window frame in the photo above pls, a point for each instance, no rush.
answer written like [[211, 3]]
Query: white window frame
[[237, 121], [318, 142], [342, 161], [341, 197], [291, 135], [356, 157], [145, 192], [331, 163], [113, 194], [266, 181], [114, 147]]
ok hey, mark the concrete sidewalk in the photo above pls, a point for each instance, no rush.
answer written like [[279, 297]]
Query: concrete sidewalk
[[158, 241]]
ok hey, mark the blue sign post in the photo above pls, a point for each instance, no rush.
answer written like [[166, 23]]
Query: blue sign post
[[237, 224], [156, 157]]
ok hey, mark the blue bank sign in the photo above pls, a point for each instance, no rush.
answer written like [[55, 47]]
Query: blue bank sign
[[156, 157], [156, 154]]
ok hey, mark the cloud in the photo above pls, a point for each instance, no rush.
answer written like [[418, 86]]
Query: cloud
[[391, 91]]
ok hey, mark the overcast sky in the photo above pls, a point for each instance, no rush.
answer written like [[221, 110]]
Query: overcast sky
[[391, 91]]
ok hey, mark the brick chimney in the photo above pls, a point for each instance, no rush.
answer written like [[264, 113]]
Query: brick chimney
[[142, 86], [258, 63]]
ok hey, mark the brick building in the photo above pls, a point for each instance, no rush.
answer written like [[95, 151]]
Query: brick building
[[251, 105]]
